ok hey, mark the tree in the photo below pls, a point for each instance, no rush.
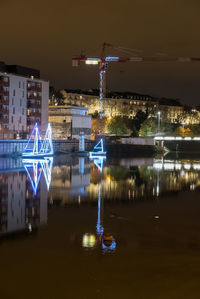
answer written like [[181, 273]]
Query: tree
[[117, 126], [56, 96], [147, 128], [139, 118]]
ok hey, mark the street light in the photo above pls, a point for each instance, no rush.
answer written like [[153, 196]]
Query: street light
[[159, 121]]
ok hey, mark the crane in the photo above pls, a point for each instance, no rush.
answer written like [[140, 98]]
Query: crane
[[104, 60]]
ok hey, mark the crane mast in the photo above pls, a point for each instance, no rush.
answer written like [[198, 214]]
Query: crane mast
[[104, 60]]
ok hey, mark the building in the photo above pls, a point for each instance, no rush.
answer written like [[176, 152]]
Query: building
[[125, 104], [70, 122], [23, 100]]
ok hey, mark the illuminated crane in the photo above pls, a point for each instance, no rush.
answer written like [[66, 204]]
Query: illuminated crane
[[104, 60]]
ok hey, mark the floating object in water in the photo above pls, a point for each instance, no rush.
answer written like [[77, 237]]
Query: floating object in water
[[98, 150], [38, 147]]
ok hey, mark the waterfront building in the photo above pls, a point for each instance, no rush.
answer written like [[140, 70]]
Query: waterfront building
[[70, 122], [125, 104], [23, 100]]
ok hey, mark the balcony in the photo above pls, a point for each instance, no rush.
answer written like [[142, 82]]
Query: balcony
[[35, 114], [32, 97], [34, 87], [4, 102], [4, 120], [4, 111], [4, 92], [3, 81], [33, 105]]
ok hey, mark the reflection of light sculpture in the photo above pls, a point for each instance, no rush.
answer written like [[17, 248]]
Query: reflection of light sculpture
[[98, 150], [99, 227], [37, 166], [99, 162], [38, 147]]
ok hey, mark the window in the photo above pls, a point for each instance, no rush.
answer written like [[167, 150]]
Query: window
[[20, 102], [20, 120], [12, 119], [19, 84], [13, 110], [23, 94], [22, 111], [12, 101], [13, 92]]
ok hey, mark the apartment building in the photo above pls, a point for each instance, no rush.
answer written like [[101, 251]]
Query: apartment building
[[125, 104], [23, 100]]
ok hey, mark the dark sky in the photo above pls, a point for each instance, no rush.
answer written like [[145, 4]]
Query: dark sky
[[46, 35]]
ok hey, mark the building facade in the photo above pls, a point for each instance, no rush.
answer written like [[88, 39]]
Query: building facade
[[70, 122], [23, 101], [126, 104]]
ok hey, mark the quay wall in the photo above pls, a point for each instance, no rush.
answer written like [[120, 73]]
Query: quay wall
[[15, 147]]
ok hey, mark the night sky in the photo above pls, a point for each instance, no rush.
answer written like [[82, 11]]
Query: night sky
[[46, 35]]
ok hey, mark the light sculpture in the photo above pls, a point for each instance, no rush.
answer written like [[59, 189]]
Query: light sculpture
[[38, 147], [98, 150]]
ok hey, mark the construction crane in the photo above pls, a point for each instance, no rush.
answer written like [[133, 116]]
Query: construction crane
[[104, 60]]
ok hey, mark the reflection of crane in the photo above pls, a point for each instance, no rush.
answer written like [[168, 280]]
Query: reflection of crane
[[104, 60]]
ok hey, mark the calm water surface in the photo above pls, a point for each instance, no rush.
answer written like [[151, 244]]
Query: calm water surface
[[75, 228]]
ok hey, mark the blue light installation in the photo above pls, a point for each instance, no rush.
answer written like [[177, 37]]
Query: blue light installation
[[99, 226], [98, 150], [99, 162], [47, 144], [36, 167], [34, 143], [38, 147], [112, 58]]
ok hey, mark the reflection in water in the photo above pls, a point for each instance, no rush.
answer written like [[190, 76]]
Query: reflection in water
[[34, 169], [20, 208], [23, 194], [107, 242]]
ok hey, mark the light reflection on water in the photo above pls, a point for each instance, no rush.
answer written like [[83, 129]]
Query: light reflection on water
[[29, 187]]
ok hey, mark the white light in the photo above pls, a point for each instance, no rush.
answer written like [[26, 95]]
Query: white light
[[179, 138], [187, 166], [188, 138], [158, 138], [169, 138], [93, 61], [196, 138], [196, 166], [157, 165]]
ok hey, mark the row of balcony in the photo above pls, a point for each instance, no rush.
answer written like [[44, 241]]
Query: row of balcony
[[34, 87]]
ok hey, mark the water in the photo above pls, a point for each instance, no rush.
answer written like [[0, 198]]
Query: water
[[75, 228]]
